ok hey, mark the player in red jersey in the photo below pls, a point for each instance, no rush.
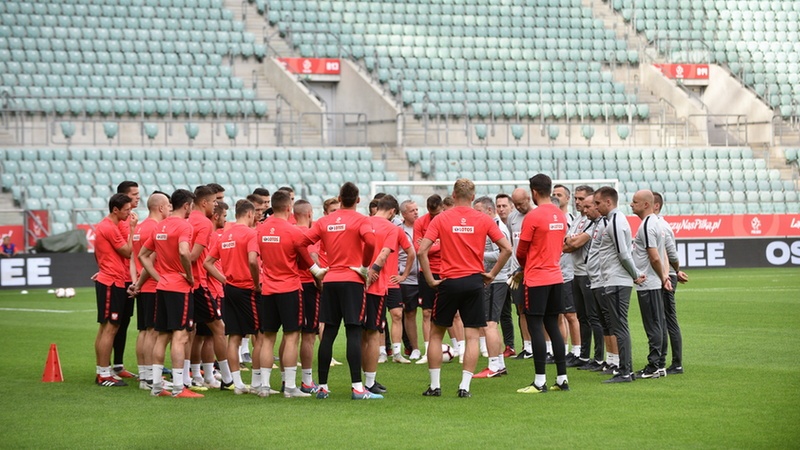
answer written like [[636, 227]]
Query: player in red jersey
[[303, 216], [387, 236], [171, 242], [131, 189], [462, 232], [206, 308], [281, 303], [111, 249], [238, 252], [145, 288], [539, 254], [348, 238]]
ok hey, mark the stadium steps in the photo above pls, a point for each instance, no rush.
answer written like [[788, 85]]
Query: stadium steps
[[396, 161], [280, 111], [8, 218]]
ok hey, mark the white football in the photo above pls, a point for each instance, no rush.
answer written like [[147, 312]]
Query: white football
[[69, 292], [447, 353], [61, 292], [51, 291]]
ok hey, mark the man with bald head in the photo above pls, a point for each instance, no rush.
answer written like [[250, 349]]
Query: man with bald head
[[521, 199], [648, 246], [145, 289]]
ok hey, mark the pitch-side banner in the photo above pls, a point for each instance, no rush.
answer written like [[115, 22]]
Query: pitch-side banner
[[741, 253], [730, 226], [50, 270], [322, 69]]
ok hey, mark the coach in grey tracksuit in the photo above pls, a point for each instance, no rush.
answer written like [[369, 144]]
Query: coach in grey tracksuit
[[619, 272], [672, 331], [577, 244], [648, 248]]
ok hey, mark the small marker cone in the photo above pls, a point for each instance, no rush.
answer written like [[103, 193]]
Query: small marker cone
[[52, 368]]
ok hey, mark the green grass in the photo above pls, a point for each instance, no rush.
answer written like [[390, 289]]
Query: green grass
[[741, 389]]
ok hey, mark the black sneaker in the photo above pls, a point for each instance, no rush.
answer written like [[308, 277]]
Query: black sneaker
[[377, 388], [674, 370], [223, 386], [575, 361], [524, 355], [619, 378], [463, 393], [591, 366], [560, 387], [648, 372], [610, 369], [432, 392], [549, 359]]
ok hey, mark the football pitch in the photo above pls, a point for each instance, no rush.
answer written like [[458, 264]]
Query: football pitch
[[741, 388]]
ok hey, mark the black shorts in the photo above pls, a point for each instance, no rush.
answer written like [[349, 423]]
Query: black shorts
[[567, 297], [427, 294], [394, 299], [240, 314], [310, 308], [411, 298], [206, 308], [463, 295], [376, 306], [174, 311], [201, 329], [281, 310], [110, 303], [145, 310], [544, 300], [342, 300], [518, 295], [494, 297], [129, 301]]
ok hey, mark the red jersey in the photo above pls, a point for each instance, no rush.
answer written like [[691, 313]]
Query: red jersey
[[462, 232], [280, 245], [385, 236], [201, 227], [125, 230], [233, 250], [143, 231], [302, 265], [166, 238], [544, 230], [344, 234], [434, 253], [108, 239], [214, 286]]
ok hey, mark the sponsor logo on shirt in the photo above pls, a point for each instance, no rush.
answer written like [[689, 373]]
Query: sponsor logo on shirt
[[230, 244], [135, 237], [271, 239], [336, 228], [463, 230], [556, 226], [516, 235], [161, 236]]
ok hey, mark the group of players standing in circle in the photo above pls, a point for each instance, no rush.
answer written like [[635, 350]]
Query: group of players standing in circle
[[203, 285]]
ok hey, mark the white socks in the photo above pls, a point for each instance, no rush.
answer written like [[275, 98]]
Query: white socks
[[396, 348], [290, 376], [527, 346], [177, 380], [369, 378], [157, 380], [187, 377], [196, 371], [435, 373], [225, 371], [426, 347], [208, 372], [466, 379], [576, 350], [540, 380], [482, 341], [561, 379], [237, 379], [494, 364], [256, 379], [358, 387], [549, 345], [308, 380]]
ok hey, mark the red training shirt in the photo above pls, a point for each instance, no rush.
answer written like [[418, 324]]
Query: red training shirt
[[392, 263], [214, 286], [346, 235], [434, 254], [280, 245], [202, 227], [232, 250], [385, 236], [125, 230], [111, 265], [165, 240], [540, 242], [143, 231], [462, 232]]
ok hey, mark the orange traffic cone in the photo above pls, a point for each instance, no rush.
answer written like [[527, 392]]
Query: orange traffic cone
[[52, 368]]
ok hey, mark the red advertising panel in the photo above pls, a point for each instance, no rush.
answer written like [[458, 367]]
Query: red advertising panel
[[684, 71], [89, 235], [327, 69], [37, 224], [730, 226]]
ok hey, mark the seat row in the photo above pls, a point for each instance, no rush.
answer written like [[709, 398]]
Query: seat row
[[87, 155]]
